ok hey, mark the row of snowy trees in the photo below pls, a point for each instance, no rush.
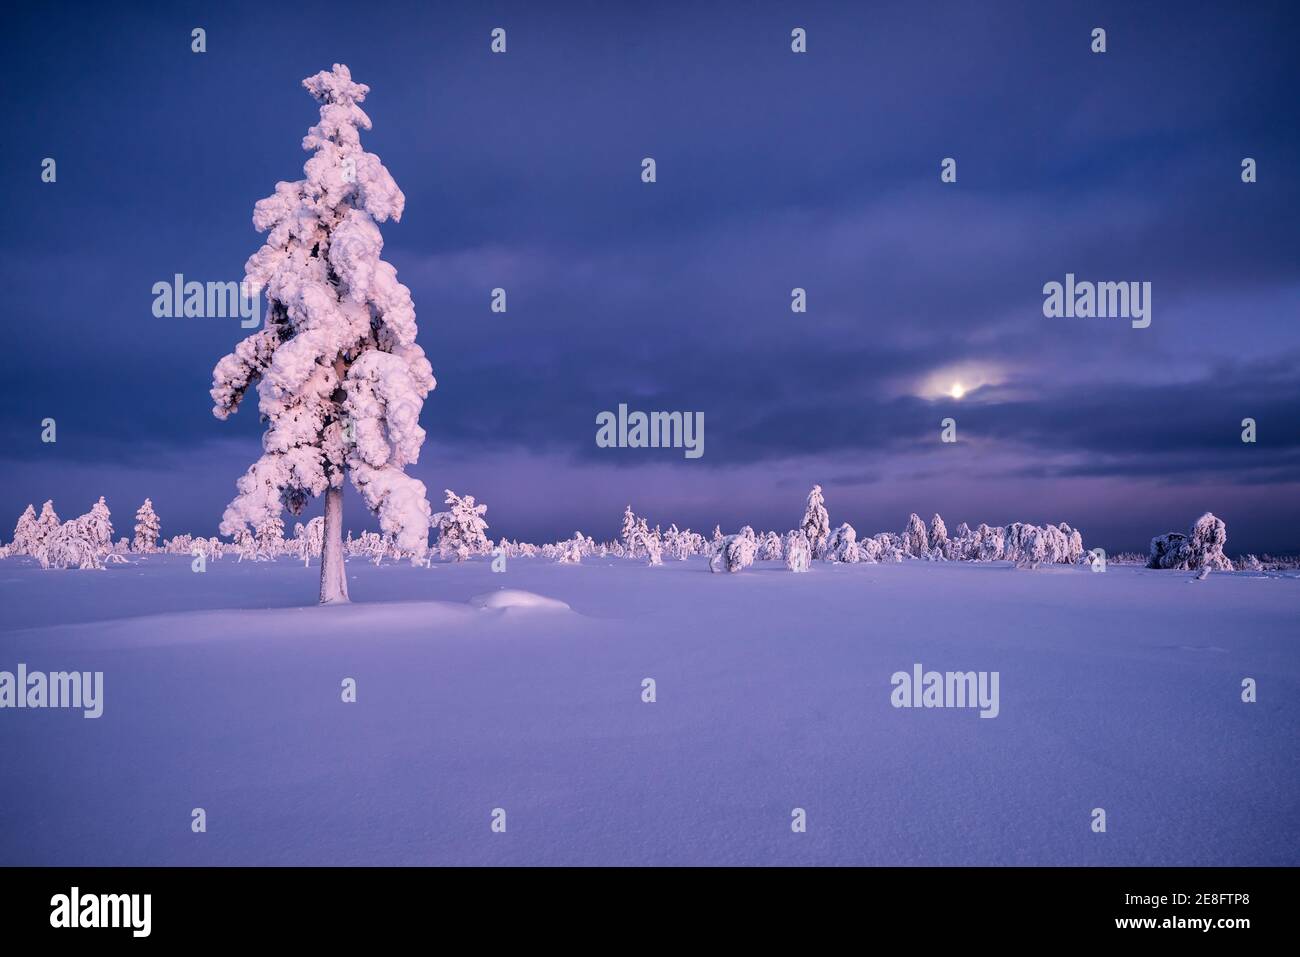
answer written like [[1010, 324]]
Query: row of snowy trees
[[461, 534], [83, 542], [1019, 542], [87, 542]]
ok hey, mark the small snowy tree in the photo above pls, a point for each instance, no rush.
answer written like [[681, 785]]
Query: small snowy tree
[[570, 552], [310, 539], [462, 530], [48, 522], [816, 522], [842, 545], [1074, 550], [75, 543], [939, 546], [1200, 548], [770, 548], [915, 539], [989, 544], [147, 529], [98, 523], [734, 553], [889, 547], [1205, 544], [961, 544], [651, 544], [630, 534], [340, 377], [269, 536], [1056, 545], [27, 534], [1030, 546], [798, 554]]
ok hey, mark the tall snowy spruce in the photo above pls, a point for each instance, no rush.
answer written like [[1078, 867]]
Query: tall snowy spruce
[[147, 529], [340, 378], [816, 524]]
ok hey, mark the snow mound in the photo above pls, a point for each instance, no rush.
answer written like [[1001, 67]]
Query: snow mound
[[518, 598]]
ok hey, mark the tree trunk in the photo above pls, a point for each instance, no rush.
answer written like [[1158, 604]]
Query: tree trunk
[[333, 574]]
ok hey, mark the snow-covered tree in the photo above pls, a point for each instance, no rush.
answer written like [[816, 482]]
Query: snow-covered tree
[[675, 544], [147, 529], [211, 548], [1205, 544], [989, 543], [310, 539], [734, 553], [74, 543], [889, 547], [48, 522], [962, 543], [98, 523], [842, 545], [1015, 539], [939, 546], [570, 552], [816, 523], [915, 538], [630, 533], [1074, 550], [27, 534], [1027, 545], [1056, 545], [269, 537], [462, 528], [369, 545], [798, 554], [770, 548], [651, 544], [340, 377], [1200, 548]]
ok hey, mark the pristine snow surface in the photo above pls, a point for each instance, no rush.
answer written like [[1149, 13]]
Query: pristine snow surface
[[222, 690]]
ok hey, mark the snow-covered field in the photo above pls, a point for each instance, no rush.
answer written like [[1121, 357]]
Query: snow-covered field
[[222, 691]]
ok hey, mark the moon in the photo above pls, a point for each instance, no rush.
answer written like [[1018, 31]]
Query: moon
[[957, 390]]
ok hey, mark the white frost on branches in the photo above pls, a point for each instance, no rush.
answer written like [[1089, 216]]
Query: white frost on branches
[[27, 534], [147, 529], [1200, 548], [462, 530], [340, 378], [842, 545], [798, 554], [734, 552], [915, 539], [816, 524]]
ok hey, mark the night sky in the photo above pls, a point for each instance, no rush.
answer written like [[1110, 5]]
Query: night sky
[[775, 170]]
